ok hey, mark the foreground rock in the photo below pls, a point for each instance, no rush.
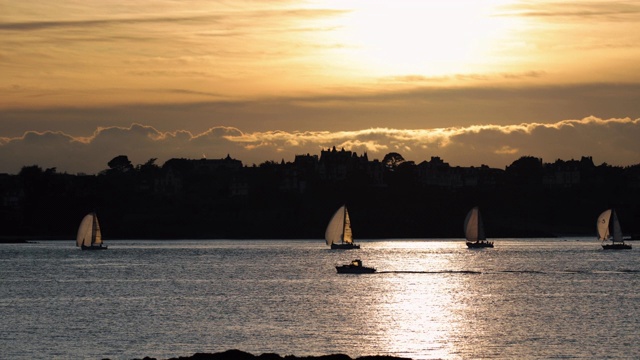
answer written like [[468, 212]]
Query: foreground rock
[[241, 355]]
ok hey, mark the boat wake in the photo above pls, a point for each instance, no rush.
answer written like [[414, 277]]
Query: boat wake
[[431, 272], [621, 271], [586, 272]]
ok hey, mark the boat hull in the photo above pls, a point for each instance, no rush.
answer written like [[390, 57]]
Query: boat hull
[[617, 246], [83, 247], [479, 244], [350, 269], [345, 246]]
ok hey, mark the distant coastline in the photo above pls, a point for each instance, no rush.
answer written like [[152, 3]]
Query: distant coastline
[[388, 199]]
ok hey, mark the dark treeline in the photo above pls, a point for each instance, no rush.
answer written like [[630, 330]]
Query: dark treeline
[[388, 198]]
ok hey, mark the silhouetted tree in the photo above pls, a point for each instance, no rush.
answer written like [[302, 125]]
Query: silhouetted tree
[[392, 160], [120, 163], [149, 169], [29, 173], [527, 170]]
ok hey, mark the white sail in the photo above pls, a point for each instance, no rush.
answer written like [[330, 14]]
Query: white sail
[[603, 225], [89, 231], [347, 235], [339, 228], [473, 226], [97, 234], [617, 230]]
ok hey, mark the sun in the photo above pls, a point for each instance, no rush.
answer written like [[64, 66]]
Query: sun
[[431, 38]]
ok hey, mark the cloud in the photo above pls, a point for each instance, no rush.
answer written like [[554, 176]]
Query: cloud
[[608, 140], [43, 25], [345, 109], [612, 10], [463, 77], [203, 17], [91, 154]]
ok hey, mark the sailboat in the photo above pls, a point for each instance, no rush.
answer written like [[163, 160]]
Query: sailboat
[[474, 230], [338, 234], [609, 229], [89, 235]]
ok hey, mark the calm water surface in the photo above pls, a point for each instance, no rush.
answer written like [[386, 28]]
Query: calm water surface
[[432, 299]]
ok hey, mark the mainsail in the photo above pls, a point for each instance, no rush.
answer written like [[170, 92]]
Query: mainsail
[[473, 227], [97, 234], [617, 230], [339, 228]]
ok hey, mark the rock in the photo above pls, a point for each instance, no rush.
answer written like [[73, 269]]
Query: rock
[[241, 355]]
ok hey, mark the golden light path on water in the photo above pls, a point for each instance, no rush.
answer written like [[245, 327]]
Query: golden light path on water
[[416, 311]]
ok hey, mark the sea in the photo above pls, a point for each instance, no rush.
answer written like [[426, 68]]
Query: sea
[[560, 298]]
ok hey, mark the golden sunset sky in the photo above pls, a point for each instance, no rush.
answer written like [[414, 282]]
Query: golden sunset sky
[[474, 82]]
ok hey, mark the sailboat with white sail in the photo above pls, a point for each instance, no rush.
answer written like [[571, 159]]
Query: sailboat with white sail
[[474, 230], [609, 229], [338, 234], [89, 234]]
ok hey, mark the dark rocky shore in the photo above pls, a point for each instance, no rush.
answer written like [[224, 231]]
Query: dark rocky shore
[[241, 355], [15, 240]]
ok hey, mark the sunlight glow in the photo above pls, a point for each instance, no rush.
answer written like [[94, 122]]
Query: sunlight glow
[[419, 37]]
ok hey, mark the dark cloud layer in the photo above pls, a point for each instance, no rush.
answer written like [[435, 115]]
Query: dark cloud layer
[[613, 141], [347, 110]]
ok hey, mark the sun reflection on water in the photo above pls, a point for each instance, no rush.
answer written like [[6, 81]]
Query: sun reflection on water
[[415, 313], [420, 319]]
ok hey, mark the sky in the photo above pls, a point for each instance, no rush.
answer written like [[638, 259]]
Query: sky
[[473, 82]]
